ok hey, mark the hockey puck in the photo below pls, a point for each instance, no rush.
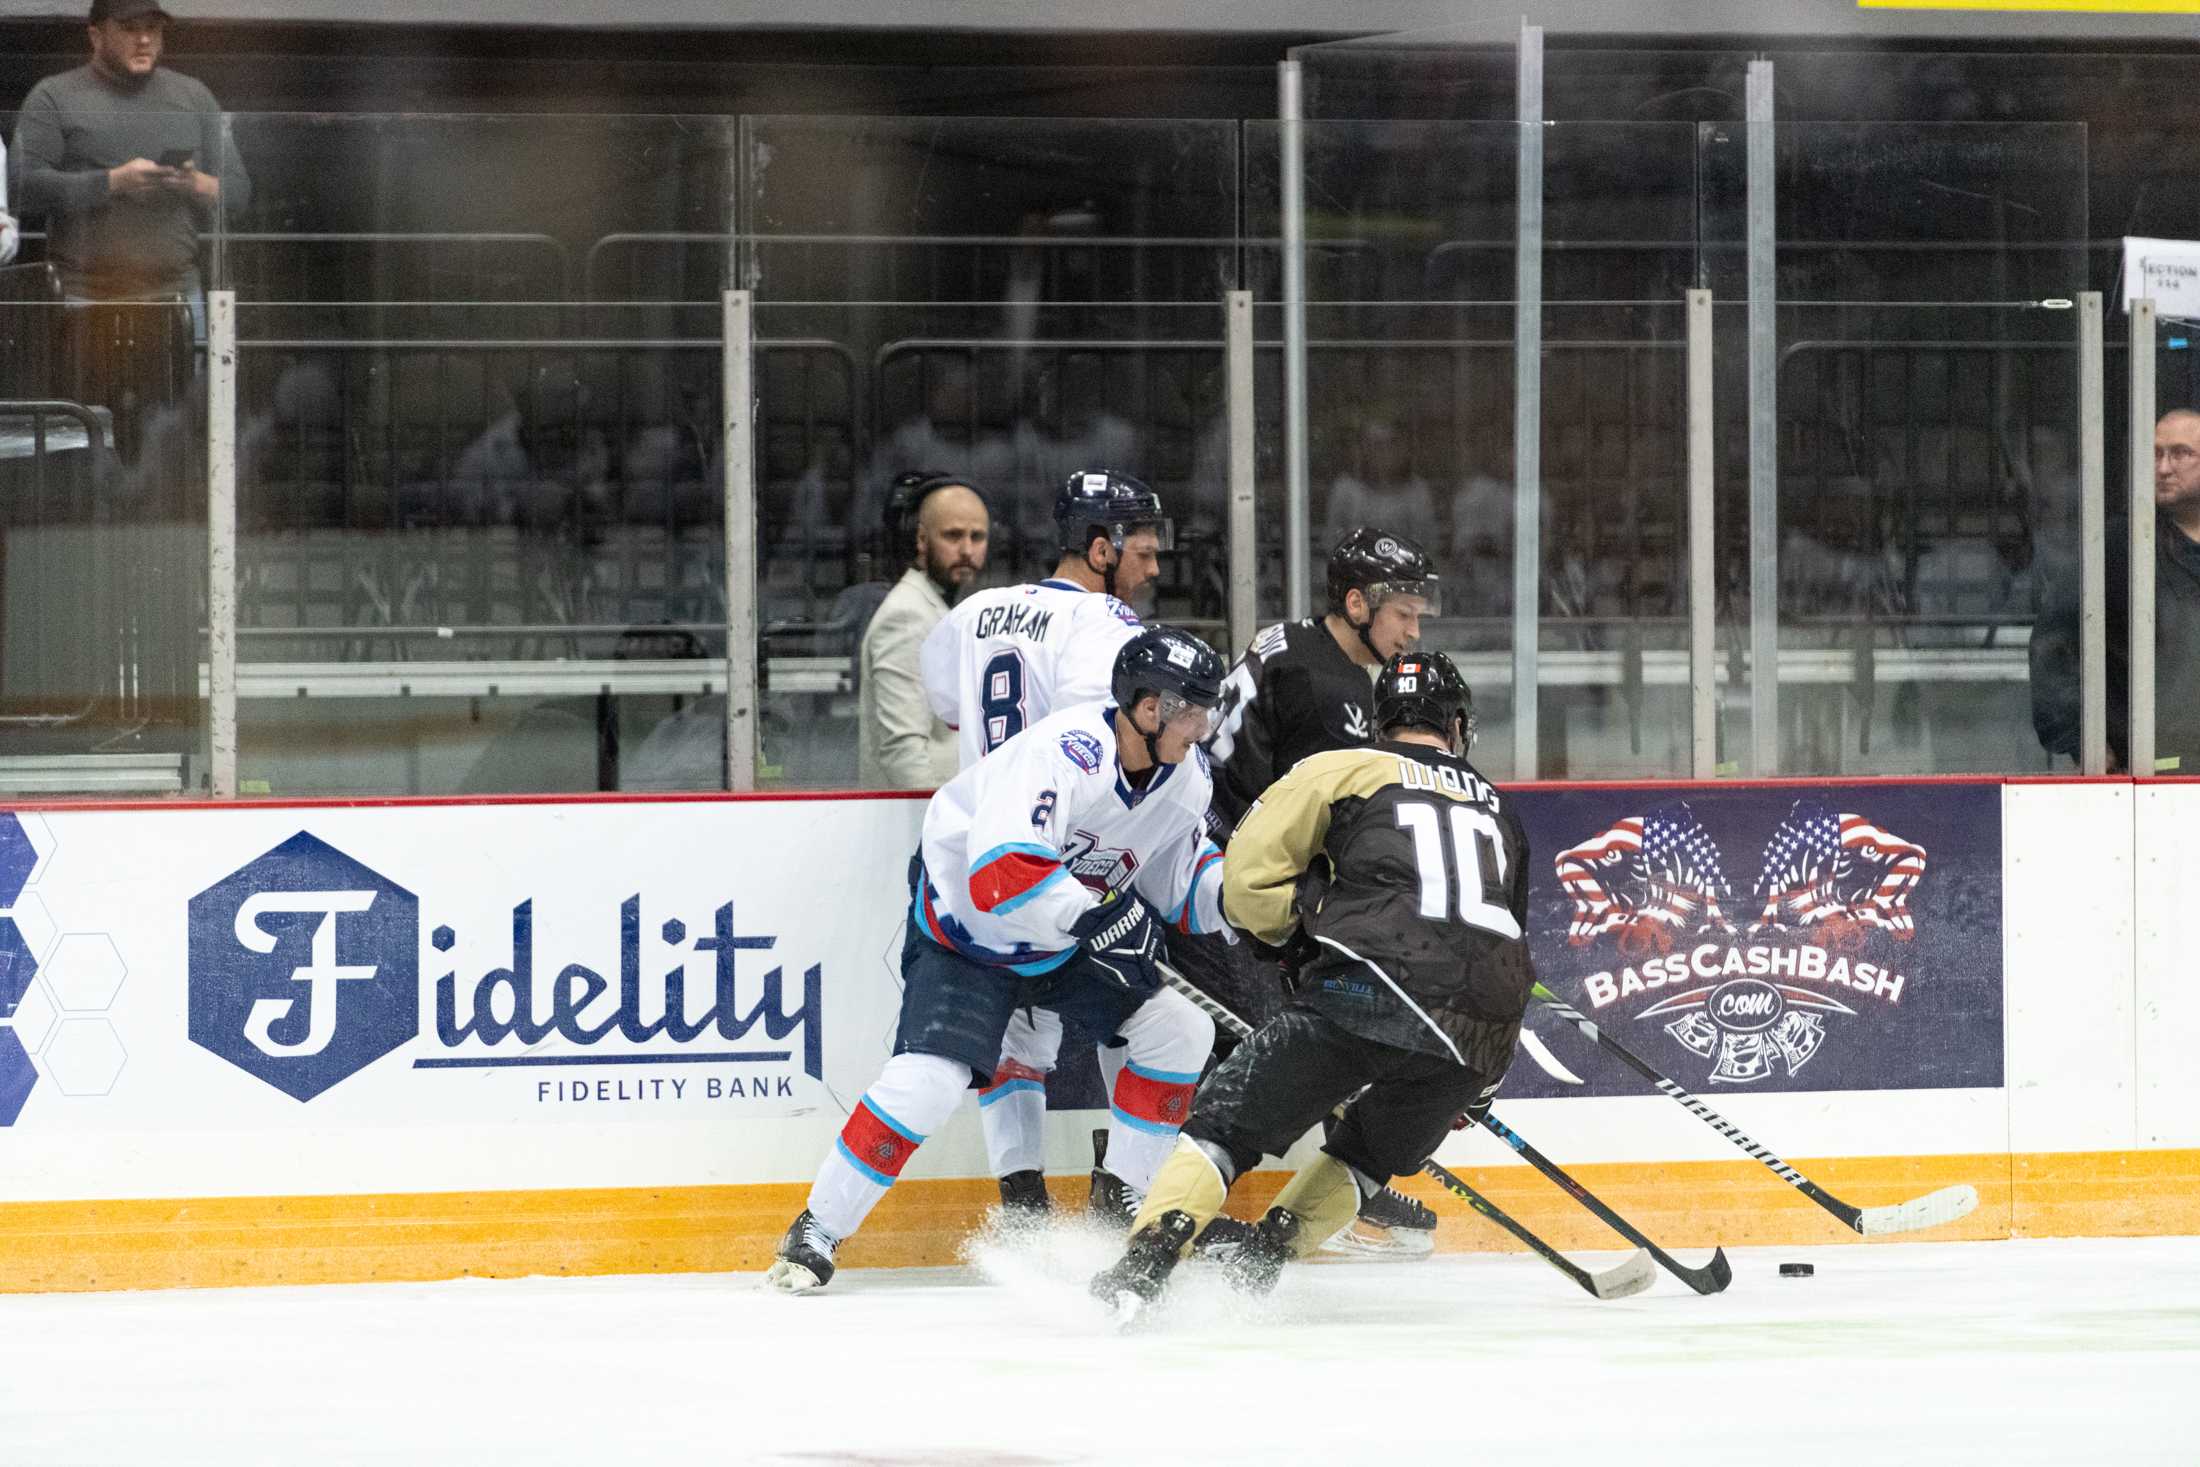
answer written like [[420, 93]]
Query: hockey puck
[[1796, 1270]]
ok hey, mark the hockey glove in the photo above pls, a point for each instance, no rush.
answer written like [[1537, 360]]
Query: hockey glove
[[1471, 1117], [1121, 942]]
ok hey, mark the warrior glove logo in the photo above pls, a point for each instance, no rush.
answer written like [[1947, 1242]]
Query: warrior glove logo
[[304, 967]]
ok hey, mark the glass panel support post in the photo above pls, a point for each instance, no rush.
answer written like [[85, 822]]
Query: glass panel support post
[[2092, 542], [1297, 516], [1244, 544], [2139, 756], [740, 529], [1528, 405], [1764, 440], [221, 543], [1703, 693]]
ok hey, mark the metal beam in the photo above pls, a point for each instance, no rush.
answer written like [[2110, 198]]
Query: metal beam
[[740, 511], [1528, 404], [2140, 736], [1297, 511], [1703, 698], [1244, 539], [221, 543], [1764, 442], [2092, 542]]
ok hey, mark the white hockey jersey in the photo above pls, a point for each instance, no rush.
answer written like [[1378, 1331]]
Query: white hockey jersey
[[1018, 846], [1006, 658]]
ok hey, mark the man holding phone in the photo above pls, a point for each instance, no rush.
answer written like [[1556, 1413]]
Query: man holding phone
[[129, 163]]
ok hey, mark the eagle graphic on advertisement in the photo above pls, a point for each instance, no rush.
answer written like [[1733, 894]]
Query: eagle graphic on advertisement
[[1645, 879], [1828, 869]]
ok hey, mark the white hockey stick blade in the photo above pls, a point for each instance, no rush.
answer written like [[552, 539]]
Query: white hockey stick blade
[[1632, 1277], [1929, 1211]]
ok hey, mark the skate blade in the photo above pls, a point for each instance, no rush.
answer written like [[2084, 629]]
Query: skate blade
[[1358, 1241], [788, 1277]]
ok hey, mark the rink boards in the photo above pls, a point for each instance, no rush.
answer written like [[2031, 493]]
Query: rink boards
[[259, 1043]]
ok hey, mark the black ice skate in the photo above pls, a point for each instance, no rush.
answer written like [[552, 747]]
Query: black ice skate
[[805, 1261], [1390, 1225], [1112, 1201], [1222, 1239], [1139, 1276], [1259, 1260], [1024, 1199]]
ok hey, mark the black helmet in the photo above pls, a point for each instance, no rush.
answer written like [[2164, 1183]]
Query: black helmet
[[1102, 502], [906, 496], [1377, 564], [1165, 660], [1424, 690]]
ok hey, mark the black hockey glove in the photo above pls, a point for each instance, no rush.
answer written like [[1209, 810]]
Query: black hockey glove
[[1120, 941], [1471, 1117], [1297, 951]]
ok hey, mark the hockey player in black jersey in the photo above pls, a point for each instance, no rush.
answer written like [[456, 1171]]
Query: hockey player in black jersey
[[1408, 873], [1305, 687]]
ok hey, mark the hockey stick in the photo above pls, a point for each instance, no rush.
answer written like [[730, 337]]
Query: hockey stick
[[1630, 1277], [1709, 1279], [1928, 1211]]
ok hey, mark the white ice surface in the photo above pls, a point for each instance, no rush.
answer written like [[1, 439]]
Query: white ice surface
[[2066, 1351]]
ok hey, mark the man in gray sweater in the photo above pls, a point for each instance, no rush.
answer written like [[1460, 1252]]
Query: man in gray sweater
[[128, 163]]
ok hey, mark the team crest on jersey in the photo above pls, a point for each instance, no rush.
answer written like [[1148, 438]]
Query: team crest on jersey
[[1123, 613], [1102, 868], [1083, 749], [1355, 722]]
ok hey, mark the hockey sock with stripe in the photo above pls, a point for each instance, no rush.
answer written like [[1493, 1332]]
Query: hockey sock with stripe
[[911, 1098]]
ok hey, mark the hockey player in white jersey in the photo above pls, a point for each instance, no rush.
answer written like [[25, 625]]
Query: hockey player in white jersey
[[1045, 874], [1005, 659]]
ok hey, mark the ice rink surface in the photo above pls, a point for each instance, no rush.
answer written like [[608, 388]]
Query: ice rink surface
[[2062, 1351]]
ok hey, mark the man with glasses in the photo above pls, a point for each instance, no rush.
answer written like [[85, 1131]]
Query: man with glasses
[[1046, 873], [2055, 678]]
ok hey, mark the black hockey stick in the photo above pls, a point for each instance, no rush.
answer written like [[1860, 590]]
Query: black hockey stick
[[1630, 1277], [1928, 1211], [1709, 1279]]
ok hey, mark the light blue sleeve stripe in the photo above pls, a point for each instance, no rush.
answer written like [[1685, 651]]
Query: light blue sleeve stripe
[[1013, 847], [1057, 874]]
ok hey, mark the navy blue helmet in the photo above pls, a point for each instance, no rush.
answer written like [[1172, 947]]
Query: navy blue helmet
[[1185, 671], [1102, 502]]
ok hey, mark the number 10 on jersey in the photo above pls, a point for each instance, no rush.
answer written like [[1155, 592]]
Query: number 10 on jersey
[[1472, 863]]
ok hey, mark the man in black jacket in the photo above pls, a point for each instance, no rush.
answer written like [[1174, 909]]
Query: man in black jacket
[[2054, 655], [1408, 872]]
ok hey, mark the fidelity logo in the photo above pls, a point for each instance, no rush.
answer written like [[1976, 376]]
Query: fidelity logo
[[305, 967]]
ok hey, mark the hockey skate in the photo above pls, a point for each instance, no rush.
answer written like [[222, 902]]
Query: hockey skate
[[1024, 1199], [1112, 1201], [1390, 1225], [1259, 1260], [1221, 1240], [805, 1261], [1139, 1276]]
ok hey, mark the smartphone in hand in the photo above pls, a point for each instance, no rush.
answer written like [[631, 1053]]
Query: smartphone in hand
[[178, 158]]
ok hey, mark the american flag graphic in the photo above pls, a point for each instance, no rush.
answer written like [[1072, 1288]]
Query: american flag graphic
[[1823, 867], [1648, 874]]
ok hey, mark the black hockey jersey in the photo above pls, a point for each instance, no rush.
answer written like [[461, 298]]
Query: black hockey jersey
[[1411, 873], [1292, 694]]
